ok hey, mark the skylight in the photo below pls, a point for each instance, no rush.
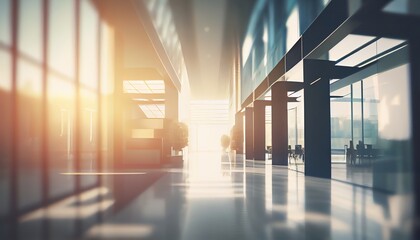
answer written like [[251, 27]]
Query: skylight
[[376, 48], [347, 45], [144, 86], [153, 110]]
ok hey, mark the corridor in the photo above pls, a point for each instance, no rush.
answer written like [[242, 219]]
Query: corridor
[[217, 196], [114, 114]]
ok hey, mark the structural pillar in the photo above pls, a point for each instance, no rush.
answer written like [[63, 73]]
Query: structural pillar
[[239, 132], [259, 130], [249, 133], [414, 46], [279, 124], [317, 119]]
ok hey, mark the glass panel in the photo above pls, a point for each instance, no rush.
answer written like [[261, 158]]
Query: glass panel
[[5, 76], [5, 22], [292, 25], [89, 98], [29, 134], [292, 126], [247, 85], [61, 95], [273, 29], [300, 115], [89, 136], [29, 79], [106, 60], [357, 114], [380, 155], [88, 46], [107, 74], [370, 110], [5, 103], [308, 11], [391, 157], [340, 123], [5, 131], [30, 32], [259, 50], [61, 38], [296, 133], [163, 21]]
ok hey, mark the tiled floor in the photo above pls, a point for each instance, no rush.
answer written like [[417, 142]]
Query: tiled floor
[[220, 196]]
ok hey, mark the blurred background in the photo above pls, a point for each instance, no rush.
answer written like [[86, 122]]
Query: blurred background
[[100, 97]]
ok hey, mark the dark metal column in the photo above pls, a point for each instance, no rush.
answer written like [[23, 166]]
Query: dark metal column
[[414, 46], [279, 123], [239, 132], [249, 133], [14, 158], [259, 130], [317, 119]]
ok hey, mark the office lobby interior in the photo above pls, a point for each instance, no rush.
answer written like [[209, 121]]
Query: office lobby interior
[[209, 119]]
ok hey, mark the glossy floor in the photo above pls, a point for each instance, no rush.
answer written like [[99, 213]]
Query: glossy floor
[[219, 196]]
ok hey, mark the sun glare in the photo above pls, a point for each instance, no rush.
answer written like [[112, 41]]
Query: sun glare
[[209, 121]]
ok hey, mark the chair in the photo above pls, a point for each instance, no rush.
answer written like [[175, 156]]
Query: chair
[[269, 151], [360, 148], [351, 154], [369, 152], [290, 152], [298, 152]]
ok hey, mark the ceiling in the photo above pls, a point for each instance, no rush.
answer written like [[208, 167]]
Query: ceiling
[[208, 31]]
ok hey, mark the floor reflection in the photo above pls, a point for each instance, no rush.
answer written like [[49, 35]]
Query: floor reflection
[[78, 206], [218, 196], [120, 231]]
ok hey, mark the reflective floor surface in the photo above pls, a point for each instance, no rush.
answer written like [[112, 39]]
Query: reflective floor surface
[[218, 196]]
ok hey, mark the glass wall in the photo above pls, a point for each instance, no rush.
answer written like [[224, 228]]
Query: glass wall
[[163, 21], [5, 106], [48, 95], [29, 88], [341, 123], [392, 170], [89, 71], [61, 94], [370, 126], [274, 27], [5, 37]]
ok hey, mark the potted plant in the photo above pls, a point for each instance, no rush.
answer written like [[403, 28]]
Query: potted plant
[[225, 142], [237, 139], [180, 137]]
